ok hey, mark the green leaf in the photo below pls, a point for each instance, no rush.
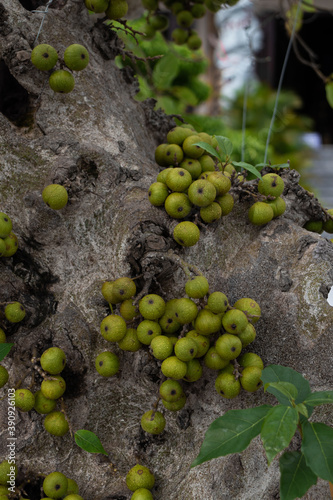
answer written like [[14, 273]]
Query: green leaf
[[317, 446], [302, 409], [207, 147], [185, 95], [296, 477], [248, 167], [286, 388], [329, 93], [278, 373], [165, 71], [231, 433], [278, 428], [281, 165], [225, 145], [88, 441], [4, 350], [319, 398]]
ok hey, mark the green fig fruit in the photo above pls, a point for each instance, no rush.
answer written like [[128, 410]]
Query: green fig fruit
[[139, 477], [152, 306], [162, 347], [116, 9], [197, 287], [42, 404], [251, 359], [213, 360], [55, 423], [107, 364], [271, 185], [171, 390], [201, 193], [4, 376], [7, 470], [173, 367], [178, 205], [44, 57], [142, 494], [250, 307], [175, 405], [226, 203], [153, 422], [194, 370], [6, 225], [186, 234], [184, 20], [97, 6], [260, 213], [207, 322], [211, 213], [53, 360], [227, 385], [147, 330], [234, 321], [113, 328], [185, 310], [128, 310], [177, 135], [130, 342], [53, 388], [14, 312], [228, 346], [76, 57], [178, 179], [186, 349], [218, 302], [158, 193], [201, 341], [55, 485], [251, 378], [62, 81], [55, 196], [123, 289], [24, 399], [11, 244]]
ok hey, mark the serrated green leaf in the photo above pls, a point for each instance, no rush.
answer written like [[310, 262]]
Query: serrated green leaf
[[4, 350], [231, 433], [319, 398], [286, 388], [165, 71], [248, 167], [296, 477], [207, 147], [317, 446], [329, 93], [278, 373], [225, 145], [88, 441], [302, 409], [278, 429]]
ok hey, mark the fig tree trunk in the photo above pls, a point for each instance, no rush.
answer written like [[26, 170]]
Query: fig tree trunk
[[99, 143]]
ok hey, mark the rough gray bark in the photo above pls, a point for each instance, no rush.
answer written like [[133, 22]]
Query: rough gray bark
[[100, 143]]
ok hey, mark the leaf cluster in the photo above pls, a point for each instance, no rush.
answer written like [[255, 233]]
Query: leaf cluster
[[234, 431]]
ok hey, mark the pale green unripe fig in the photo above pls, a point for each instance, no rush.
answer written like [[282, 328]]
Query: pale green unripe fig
[[192, 166], [178, 179], [226, 203], [218, 302], [152, 306], [127, 310], [171, 390], [76, 57], [53, 388], [173, 154], [228, 346], [130, 342], [5, 470], [142, 494], [42, 404], [316, 226], [55, 485], [147, 330], [162, 347], [4, 376], [123, 289], [328, 224], [203, 136], [2, 336], [207, 322], [278, 205], [251, 378], [72, 486], [158, 193], [178, 205], [153, 422], [55, 196], [185, 311], [14, 312], [177, 135], [211, 213], [201, 193], [139, 477], [184, 20], [201, 341], [116, 9], [62, 81], [207, 163], [186, 234], [260, 213], [53, 360], [168, 323], [247, 335], [213, 360], [44, 57], [113, 328], [194, 370], [227, 385], [175, 405], [163, 173], [6, 225], [179, 36], [221, 182], [234, 321], [24, 399], [55, 423], [189, 147], [107, 292], [271, 185], [107, 364], [174, 368], [251, 359], [11, 243], [160, 156], [186, 349], [97, 6], [250, 307], [197, 287]]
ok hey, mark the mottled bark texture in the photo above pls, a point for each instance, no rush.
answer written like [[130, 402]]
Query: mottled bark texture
[[100, 142]]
